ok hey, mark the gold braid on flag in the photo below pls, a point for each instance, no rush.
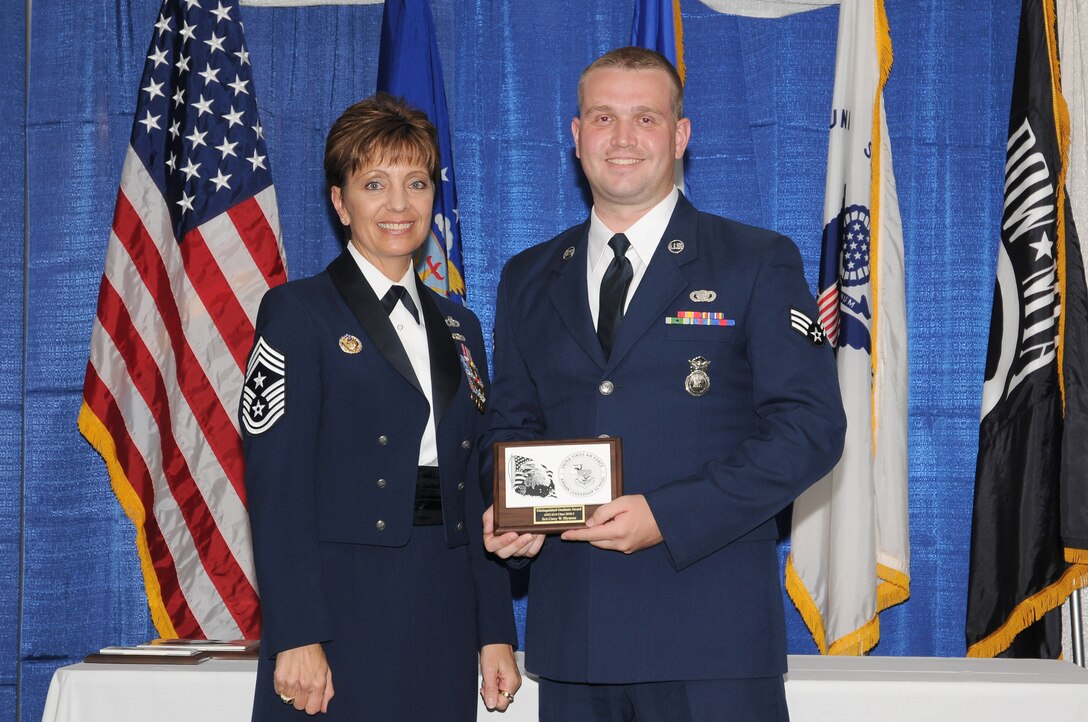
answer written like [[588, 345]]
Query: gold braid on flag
[[1033, 608], [1077, 557], [884, 60], [894, 585], [100, 438], [678, 32], [806, 605]]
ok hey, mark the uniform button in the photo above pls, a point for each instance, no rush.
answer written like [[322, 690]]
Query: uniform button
[[383, 439], [380, 525], [381, 483], [606, 388], [460, 525], [602, 436], [466, 444], [460, 486]]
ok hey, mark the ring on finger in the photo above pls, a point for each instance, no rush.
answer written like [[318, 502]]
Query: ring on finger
[[509, 696], [286, 699]]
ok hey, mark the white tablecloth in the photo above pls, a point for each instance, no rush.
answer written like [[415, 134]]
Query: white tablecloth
[[819, 689]]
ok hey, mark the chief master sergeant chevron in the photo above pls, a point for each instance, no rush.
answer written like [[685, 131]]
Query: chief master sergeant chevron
[[692, 338]]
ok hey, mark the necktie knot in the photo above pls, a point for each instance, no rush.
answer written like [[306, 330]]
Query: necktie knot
[[619, 245], [397, 294], [614, 285]]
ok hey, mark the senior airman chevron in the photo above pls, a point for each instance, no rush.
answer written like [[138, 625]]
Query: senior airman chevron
[[810, 329]]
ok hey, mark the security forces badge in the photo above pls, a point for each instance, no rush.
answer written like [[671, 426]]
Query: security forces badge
[[264, 392]]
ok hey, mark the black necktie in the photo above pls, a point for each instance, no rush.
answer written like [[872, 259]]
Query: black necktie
[[614, 285], [399, 293]]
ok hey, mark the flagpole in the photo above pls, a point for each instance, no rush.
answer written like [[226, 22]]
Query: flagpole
[[1076, 629]]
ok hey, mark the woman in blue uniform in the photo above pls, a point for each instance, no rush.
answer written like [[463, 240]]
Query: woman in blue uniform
[[363, 397]]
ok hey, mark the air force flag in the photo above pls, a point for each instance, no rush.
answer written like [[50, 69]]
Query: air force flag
[[409, 67]]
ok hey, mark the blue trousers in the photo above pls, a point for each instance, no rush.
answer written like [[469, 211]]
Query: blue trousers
[[761, 699]]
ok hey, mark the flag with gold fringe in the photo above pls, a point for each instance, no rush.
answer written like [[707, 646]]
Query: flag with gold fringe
[[1029, 533], [409, 67], [658, 26], [850, 548], [194, 246]]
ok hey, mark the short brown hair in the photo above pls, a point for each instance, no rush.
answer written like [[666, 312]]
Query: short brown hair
[[636, 58], [380, 129]]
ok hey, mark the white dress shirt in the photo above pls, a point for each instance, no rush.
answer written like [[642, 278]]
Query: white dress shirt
[[644, 236], [413, 336]]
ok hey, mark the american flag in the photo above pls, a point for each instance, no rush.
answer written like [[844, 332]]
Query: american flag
[[194, 246]]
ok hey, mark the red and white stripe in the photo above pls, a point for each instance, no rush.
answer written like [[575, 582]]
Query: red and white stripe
[[828, 306], [168, 351]]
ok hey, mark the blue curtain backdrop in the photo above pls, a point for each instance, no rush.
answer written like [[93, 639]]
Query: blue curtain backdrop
[[759, 97], [12, 258]]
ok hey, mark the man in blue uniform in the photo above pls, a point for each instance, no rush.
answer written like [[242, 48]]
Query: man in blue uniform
[[692, 338]]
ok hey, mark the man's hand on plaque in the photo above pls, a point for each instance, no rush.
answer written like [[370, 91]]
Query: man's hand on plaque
[[510, 544], [625, 524]]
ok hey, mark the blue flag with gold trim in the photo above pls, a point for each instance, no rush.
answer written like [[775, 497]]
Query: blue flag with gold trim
[[409, 67], [657, 26]]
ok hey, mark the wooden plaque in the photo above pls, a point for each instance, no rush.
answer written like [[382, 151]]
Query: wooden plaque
[[546, 487]]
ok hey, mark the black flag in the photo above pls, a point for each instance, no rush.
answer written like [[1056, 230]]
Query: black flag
[[1029, 534]]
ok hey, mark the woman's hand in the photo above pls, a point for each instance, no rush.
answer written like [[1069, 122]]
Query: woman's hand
[[510, 544], [500, 675], [303, 678]]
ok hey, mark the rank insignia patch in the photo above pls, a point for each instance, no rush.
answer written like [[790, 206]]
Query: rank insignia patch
[[263, 395], [475, 383], [802, 324]]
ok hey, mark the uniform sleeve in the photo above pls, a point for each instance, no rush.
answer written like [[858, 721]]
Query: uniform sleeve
[[280, 428], [798, 437], [494, 604], [513, 412]]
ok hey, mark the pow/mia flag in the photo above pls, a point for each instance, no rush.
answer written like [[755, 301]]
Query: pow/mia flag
[[263, 396], [1029, 533]]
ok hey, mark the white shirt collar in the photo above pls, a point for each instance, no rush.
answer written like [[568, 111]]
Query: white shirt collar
[[378, 280], [644, 234]]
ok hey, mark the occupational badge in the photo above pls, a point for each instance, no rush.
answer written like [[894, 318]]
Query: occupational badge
[[452, 322], [812, 330], [675, 245], [568, 253], [475, 383], [703, 296], [350, 344], [263, 394], [697, 382]]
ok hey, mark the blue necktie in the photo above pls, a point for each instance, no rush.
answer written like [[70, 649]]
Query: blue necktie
[[614, 285]]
